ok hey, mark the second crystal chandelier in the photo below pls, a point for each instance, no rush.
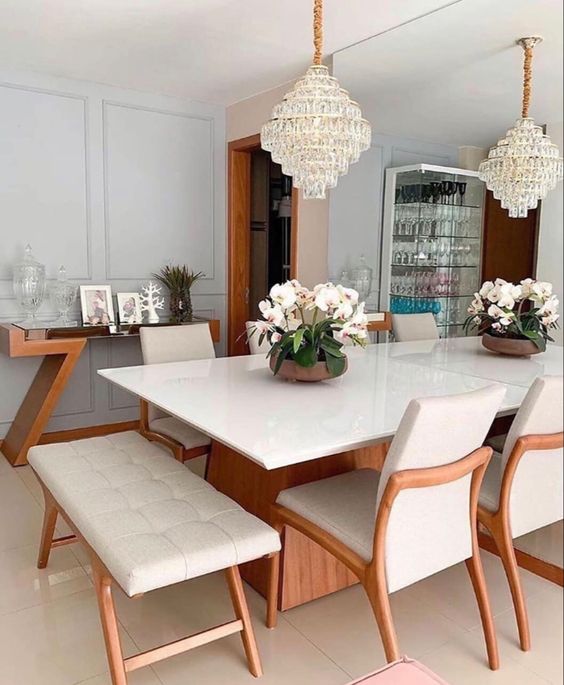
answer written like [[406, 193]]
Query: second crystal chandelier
[[317, 131], [524, 165]]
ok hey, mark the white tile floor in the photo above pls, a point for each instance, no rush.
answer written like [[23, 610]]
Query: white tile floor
[[50, 633]]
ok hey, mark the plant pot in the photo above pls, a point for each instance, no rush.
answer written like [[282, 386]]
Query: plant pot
[[514, 347], [312, 374], [181, 307]]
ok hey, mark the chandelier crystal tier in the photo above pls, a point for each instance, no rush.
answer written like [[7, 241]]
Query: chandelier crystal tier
[[524, 165], [317, 131]]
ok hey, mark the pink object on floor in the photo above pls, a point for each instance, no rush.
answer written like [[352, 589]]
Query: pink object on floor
[[404, 672]]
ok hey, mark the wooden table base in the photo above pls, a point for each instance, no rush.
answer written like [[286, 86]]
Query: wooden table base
[[307, 571]]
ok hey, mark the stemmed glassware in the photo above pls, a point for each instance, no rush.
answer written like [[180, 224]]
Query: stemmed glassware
[[462, 185]]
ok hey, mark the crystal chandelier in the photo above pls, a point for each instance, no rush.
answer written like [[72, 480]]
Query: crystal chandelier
[[317, 131], [525, 165]]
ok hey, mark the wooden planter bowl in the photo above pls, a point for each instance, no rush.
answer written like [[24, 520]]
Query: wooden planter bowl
[[294, 372], [510, 346]]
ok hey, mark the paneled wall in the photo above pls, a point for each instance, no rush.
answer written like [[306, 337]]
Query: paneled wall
[[113, 184], [356, 205]]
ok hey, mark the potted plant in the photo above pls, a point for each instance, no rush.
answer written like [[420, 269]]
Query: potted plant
[[179, 281], [307, 329], [514, 319]]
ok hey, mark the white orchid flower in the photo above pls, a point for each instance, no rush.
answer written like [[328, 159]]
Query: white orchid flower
[[283, 294], [477, 305], [549, 307], [272, 313], [497, 313], [508, 295], [485, 289], [526, 286], [275, 337], [348, 294], [327, 298], [541, 291]]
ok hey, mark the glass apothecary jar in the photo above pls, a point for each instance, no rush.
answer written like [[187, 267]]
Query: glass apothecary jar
[[29, 284], [63, 296]]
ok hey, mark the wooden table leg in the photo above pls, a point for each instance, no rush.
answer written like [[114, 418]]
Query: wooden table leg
[[306, 570], [60, 358]]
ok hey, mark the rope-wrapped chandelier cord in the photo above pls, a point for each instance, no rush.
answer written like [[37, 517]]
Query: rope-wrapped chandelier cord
[[527, 78], [318, 31]]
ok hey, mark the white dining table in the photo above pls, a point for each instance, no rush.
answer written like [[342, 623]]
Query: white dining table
[[275, 423], [269, 434]]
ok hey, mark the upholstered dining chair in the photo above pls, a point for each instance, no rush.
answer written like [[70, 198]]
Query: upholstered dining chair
[[255, 346], [410, 327], [523, 486], [416, 517], [162, 344]]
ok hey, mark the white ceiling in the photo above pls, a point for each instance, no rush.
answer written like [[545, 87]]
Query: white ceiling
[[219, 51], [455, 76]]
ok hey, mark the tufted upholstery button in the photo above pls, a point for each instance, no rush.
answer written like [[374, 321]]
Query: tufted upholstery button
[[151, 521]]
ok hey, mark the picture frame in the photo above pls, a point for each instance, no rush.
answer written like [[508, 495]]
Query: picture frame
[[129, 308], [96, 305]]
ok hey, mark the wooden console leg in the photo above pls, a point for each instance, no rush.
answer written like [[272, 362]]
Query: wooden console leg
[[39, 403], [48, 532], [242, 612], [103, 586]]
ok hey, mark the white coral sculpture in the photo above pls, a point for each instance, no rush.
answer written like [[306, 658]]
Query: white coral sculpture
[[150, 301]]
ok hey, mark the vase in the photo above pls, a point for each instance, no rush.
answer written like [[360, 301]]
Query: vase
[[29, 284], [181, 307], [514, 347], [291, 371]]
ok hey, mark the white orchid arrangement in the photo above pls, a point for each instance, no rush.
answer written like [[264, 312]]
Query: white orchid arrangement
[[526, 311], [308, 326]]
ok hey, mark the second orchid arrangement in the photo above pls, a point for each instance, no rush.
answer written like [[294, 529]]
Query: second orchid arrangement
[[311, 326], [526, 311]]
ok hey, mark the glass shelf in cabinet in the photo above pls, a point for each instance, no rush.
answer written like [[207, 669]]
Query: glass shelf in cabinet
[[435, 204], [436, 266], [432, 297]]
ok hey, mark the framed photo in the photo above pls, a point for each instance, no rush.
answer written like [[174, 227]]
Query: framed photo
[[129, 308], [96, 304]]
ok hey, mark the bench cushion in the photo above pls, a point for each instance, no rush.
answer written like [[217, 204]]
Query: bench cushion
[[404, 672], [151, 520]]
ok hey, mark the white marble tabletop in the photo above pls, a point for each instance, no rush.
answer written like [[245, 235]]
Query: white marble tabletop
[[275, 423]]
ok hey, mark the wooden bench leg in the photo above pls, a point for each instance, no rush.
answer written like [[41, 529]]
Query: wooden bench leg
[[103, 586], [48, 532], [242, 612]]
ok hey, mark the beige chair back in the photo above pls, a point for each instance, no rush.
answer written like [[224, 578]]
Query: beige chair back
[[429, 527], [163, 344], [537, 492], [411, 327]]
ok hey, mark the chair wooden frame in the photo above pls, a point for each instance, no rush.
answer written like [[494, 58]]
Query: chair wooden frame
[[178, 450], [498, 524], [372, 574], [103, 581]]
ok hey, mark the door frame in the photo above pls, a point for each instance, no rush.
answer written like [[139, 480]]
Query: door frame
[[239, 229]]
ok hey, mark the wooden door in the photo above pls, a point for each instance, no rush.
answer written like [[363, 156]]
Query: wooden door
[[239, 245], [510, 245]]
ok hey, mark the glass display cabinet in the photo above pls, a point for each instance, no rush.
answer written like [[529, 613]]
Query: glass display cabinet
[[432, 243]]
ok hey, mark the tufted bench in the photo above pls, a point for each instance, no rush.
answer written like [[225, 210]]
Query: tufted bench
[[148, 522]]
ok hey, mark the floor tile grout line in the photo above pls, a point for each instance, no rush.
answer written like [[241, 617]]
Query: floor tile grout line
[[318, 648]]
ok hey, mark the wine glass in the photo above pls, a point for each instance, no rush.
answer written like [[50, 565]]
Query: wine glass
[[462, 185]]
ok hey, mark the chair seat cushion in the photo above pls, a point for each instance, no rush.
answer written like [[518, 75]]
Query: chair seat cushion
[[344, 506], [490, 491], [404, 672], [180, 431], [151, 520], [497, 442]]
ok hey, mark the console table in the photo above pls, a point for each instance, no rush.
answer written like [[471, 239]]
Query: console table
[[60, 349]]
